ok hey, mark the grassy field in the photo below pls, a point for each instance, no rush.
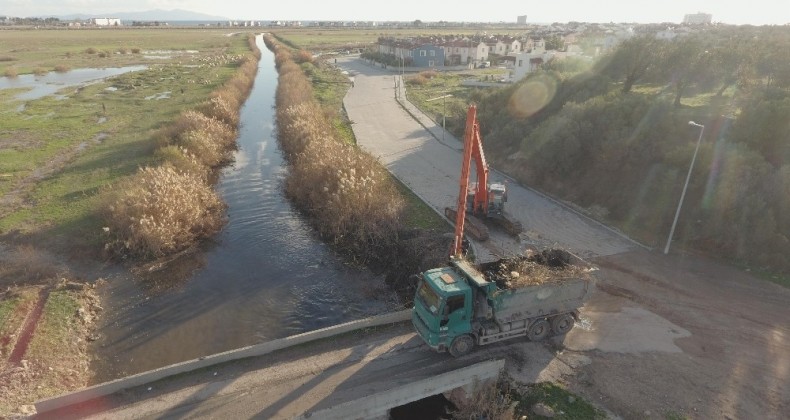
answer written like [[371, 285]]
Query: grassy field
[[56, 158], [79, 48]]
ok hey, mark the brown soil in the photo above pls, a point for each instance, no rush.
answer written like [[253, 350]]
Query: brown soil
[[734, 364], [59, 363]]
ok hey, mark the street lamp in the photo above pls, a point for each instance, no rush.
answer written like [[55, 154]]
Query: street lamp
[[444, 110], [685, 186]]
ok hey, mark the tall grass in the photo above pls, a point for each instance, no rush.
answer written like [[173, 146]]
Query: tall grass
[[350, 197], [160, 211], [165, 209]]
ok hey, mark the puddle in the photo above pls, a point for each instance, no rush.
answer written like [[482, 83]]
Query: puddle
[[158, 96], [111, 88], [48, 84]]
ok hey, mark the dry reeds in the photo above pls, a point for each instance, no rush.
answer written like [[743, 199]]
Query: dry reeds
[[62, 68], [418, 80], [303, 56], [11, 72], [160, 210], [348, 195], [163, 210]]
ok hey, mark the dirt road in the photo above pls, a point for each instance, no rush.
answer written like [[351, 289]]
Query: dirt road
[[661, 337]]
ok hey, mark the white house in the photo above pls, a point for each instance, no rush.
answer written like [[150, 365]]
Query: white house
[[698, 18], [106, 21], [528, 62]]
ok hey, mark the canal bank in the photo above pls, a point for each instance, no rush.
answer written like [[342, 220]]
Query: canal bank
[[265, 276]]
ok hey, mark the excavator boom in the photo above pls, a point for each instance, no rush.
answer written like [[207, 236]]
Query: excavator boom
[[481, 194], [466, 158]]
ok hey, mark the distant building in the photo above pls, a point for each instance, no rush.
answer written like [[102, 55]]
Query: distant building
[[106, 21], [698, 18], [521, 20]]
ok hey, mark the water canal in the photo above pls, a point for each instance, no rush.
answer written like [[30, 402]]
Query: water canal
[[266, 276]]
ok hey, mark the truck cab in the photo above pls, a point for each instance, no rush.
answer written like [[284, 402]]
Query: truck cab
[[442, 308]]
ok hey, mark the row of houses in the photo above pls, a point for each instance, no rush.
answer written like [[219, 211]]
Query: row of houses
[[524, 54], [440, 51]]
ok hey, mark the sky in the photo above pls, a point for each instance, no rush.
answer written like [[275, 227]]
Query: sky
[[755, 12]]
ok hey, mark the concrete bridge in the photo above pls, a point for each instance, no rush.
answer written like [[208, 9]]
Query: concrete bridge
[[360, 369]]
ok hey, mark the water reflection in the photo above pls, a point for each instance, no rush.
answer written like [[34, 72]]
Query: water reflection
[[52, 82], [266, 275]]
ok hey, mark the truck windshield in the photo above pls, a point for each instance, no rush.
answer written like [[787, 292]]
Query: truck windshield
[[428, 297]]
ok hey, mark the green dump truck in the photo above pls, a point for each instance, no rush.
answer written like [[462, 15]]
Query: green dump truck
[[460, 306]]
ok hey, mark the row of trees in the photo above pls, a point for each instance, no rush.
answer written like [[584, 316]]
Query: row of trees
[[616, 138]]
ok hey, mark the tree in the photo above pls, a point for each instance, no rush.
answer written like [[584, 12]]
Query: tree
[[555, 43], [632, 60], [684, 62]]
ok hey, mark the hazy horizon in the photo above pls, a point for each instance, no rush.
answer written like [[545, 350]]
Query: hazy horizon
[[757, 12]]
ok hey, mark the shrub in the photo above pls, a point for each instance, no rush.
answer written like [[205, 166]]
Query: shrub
[[428, 74], [91, 50], [135, 50], [303, 56], [123, 50], [160, 211], [62, 68], [418, 80], [104, 54], [6, 58], [11, 72], [40, 71]]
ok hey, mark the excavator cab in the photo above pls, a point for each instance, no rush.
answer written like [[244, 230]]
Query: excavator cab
[[497, 197]]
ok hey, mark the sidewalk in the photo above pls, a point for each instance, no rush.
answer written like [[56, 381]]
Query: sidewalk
[[433, 127]]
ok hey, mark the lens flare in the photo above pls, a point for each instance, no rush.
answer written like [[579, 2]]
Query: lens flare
[[532, 96]]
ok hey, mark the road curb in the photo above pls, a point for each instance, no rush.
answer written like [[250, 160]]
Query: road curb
[[143, 378]]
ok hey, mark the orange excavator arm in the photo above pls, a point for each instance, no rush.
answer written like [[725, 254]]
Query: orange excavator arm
[[473, 149]]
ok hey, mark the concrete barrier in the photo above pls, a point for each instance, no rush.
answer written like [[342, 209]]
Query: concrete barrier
[[377, 405], [143, 378]]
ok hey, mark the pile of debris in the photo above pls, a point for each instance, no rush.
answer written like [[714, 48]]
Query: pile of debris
[[549, 265]]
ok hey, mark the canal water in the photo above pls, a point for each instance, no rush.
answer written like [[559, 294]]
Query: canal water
[[265, 276]]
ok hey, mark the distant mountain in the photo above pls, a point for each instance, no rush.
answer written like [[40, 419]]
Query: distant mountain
[[150, 15]]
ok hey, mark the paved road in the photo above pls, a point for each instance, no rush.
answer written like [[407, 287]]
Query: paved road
[[431, 166]]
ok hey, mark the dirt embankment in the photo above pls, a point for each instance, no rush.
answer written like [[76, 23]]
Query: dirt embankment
[[44, 336]]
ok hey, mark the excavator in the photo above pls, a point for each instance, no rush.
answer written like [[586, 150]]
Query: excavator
[[483, 201]]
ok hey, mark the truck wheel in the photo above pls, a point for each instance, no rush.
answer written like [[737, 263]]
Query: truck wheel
[[461, 345], [561, 324], [539, 330]]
